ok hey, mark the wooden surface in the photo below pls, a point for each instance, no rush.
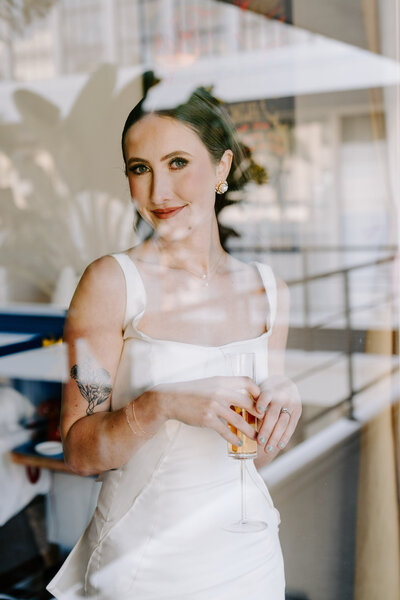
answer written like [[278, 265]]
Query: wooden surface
[[43, 462]]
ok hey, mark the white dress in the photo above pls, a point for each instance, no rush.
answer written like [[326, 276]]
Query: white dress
[[158, 530]]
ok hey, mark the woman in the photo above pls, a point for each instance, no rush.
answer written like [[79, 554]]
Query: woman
[[149, 396]]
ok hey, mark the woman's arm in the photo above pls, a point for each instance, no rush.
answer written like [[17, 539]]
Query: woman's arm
[[95, 439], [277, 391]]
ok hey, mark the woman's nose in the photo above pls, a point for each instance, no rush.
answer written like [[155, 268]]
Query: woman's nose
[[160, 188]]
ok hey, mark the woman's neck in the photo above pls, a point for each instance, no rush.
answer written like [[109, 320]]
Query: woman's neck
[[200, 252]]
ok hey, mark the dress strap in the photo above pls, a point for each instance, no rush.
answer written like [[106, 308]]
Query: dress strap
[[135, 291], [269, 281]]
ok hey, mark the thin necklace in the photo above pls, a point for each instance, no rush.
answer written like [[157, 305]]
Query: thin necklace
[[205, 277]]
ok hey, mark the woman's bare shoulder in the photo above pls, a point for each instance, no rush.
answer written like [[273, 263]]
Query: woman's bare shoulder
[[104, 272], [280, 283], [100, 292]]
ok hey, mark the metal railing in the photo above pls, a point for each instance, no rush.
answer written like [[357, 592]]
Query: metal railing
[[343, 339]]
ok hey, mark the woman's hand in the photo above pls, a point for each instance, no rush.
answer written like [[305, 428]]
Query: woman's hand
[[207, 403], [280, 404]]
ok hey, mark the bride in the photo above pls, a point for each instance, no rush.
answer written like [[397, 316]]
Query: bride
[[149, 396]]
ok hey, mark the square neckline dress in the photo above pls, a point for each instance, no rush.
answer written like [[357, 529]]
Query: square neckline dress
[[157, 532]]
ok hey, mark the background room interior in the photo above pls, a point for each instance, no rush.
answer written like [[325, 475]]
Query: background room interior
[[314, 91]]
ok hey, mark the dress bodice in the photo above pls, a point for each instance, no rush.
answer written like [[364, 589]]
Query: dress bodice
[[147, 361]]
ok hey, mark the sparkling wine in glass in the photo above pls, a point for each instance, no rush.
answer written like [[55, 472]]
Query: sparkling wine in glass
[[248, 449], [243, 364]]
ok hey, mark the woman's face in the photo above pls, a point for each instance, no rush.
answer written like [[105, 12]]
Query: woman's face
[[171, 175]]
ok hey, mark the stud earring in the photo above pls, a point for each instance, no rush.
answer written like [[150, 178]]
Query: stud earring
[[221, 187]]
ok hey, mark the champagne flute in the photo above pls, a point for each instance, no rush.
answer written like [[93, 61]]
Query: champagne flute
[[243, 364]]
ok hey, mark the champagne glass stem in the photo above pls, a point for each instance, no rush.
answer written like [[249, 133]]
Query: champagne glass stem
[[243, 364], [243, 489]]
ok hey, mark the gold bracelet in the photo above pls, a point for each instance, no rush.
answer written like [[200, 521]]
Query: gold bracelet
[[128, 420], [137, 422]]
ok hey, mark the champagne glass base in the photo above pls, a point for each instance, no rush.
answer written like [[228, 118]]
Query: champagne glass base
[[246, 526], [242, 456]]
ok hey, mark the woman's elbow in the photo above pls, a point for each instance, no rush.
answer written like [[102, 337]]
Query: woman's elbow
[[77, 463]]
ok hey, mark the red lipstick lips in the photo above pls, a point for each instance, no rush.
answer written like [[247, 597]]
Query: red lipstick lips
[[167, 213]]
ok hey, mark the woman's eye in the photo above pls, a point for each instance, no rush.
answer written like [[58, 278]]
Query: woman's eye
[[138, 169], [178, 163]]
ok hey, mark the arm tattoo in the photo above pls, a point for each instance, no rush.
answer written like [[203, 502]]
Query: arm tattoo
[[94, 383]]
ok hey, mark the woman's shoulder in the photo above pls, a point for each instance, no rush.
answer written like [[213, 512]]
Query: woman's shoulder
[[101, 272], [106, 267], [268, 268], [101, 283], [264, 268], [98, 303], [107, 274], [100, 294]]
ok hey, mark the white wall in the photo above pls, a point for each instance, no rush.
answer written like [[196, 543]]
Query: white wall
[[317, 501]]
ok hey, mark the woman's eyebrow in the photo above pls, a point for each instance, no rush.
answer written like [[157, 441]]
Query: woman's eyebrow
[[137, 159], [174, 153]]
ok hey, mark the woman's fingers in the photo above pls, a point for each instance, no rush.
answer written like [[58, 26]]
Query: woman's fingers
[[274, 389], [244, 385], [282, 401], [247, 384], [279, 433], [235, 419], [283, 430], [267, 426], [240, 391], [242, 399], [229, 404], [276, 435], [205, 402], [222, 428]]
